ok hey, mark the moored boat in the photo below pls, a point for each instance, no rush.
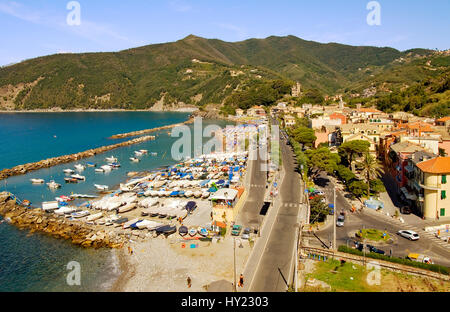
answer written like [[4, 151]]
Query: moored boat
[[78, 177], [95, 216], [111, 159], [80, 167], [127, 208], [134, 159], [69, 171], [71, 180], [37, 181], [53, 185], [183, 230], [99, 170], [80, 214], [101, 187], [91, 164]]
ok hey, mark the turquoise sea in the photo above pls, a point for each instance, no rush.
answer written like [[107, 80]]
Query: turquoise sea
[[36, 262]]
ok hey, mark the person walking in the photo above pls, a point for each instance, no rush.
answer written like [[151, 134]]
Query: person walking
[[241, 281], [189, 282]]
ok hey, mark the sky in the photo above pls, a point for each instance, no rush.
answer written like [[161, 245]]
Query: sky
[[35, 28]]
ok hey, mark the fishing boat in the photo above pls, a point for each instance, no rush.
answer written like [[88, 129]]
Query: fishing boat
[[138, 153], [53, 185], [69, 171], [127, 207], [80, 214], [183, 230], [63, 199], [166, 229], [189, 194], [143, 151], [49, 206], [37, 181], [197, 194], [111, 159], [64, 210], [126, 225], [101, 187], [143, 224], [114, 165], [95, 216], [80, 167], [134, 159], [205, 195], [120, 221], [91, 164], [192, 232], [78, 177], [203, 232], [99, 170], [71, 180]]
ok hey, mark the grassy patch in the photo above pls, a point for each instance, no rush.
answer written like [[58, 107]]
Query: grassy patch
[[373, 234]]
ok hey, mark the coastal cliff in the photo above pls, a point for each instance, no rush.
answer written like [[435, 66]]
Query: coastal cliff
[[36, 220]]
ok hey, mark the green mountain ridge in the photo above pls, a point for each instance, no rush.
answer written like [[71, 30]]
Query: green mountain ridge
[[195, 71]]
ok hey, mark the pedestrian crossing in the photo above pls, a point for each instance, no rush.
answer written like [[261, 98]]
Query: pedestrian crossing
[[421, 232]]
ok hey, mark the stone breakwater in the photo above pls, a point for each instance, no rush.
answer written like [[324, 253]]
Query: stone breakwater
[[79, 233], [47, 163], [141, 132]]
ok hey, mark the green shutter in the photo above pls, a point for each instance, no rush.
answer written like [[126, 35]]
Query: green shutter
[[443, 195], [444, 179], [442, 212]]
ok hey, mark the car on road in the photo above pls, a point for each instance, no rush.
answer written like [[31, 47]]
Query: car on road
[[246, 233], [375, 249], [411, 235], [236, 230], [405, 210], [340, 221]]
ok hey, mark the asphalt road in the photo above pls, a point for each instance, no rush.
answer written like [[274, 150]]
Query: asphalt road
[[355, 221], [249, 216], [276, 265]]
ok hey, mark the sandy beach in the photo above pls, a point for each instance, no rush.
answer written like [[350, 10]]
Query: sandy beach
[[162, 265]]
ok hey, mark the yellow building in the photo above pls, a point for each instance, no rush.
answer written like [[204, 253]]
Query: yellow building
[[433, 178]]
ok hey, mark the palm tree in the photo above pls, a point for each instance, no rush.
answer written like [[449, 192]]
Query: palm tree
[[371, 169]]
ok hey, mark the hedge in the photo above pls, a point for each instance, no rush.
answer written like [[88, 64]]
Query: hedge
[[430, 267]]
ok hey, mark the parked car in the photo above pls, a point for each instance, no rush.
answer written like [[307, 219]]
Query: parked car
[[375, 249], [411, 235], [405, 210], [419, 258], [340, 221], [236, 230], [246, 233], [320, 193]]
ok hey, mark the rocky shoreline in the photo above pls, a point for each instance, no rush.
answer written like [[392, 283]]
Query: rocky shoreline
[[50, 162], [145, 131], [36, 220]]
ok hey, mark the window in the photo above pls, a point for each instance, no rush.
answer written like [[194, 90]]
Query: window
[[443, 195], [444, 179], [442, 214]]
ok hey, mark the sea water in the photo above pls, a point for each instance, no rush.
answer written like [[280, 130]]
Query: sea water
[[37, 262]]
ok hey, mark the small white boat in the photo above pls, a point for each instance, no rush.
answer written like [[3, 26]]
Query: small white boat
[[80, 214], [134, 159], [143, 151], [78, 177], [127, 208], [129, 223], [205, 195], [80, 167], [37, 181], [189, 194], [106, 168], [143, 224], [64, 210], [95, 216], [138, 153], [111, 159], [154, 154], [53, 185], [192, 231], [49, 206], [99, 170], [197, 194], [69, 171], [101, 187]]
